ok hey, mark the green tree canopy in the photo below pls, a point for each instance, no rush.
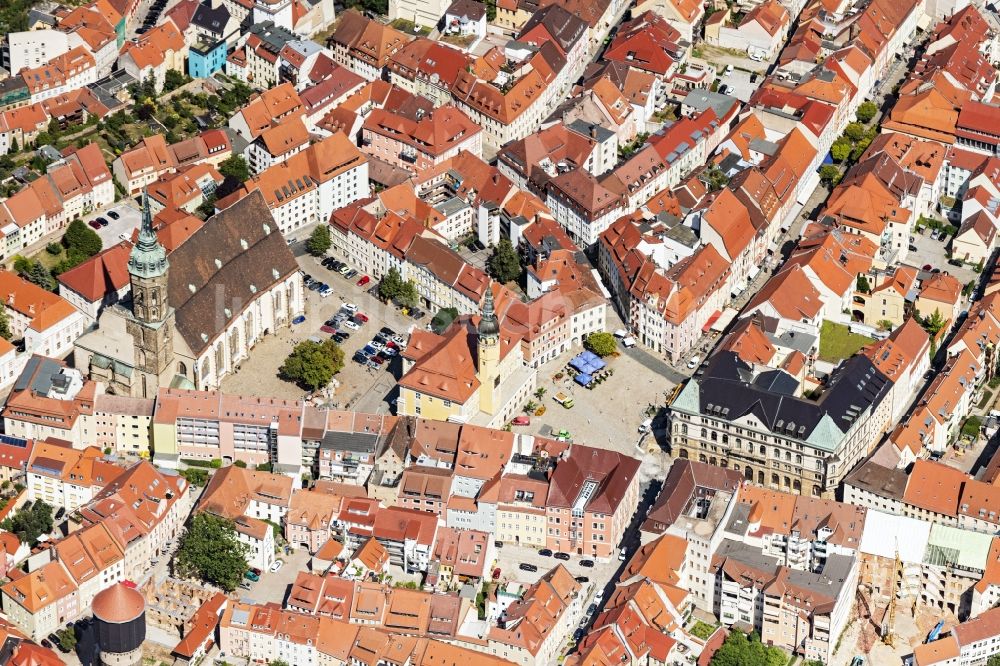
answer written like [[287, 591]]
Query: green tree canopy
[[841, 149], [742, 650], [867, 111], [235, 167], [933, 323], [319, 241], [829, 175], [313, 364], [602, 344], [390, 284], [82, 238], [174, 79], [211, 552], [504, 265], [864, 285], [442, 320], [5, 331], [854, 131], [29, 524]]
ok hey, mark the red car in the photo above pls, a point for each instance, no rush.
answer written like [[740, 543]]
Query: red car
[[94, 224], [927, 267], [392, 345], [521, 420], [496, 574], [361, 317], [364, 280], [328, 329]]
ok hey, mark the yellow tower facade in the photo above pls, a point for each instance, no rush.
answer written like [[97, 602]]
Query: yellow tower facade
[[488, 347]]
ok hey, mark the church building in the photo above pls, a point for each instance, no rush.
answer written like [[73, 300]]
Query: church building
[[191, 318]]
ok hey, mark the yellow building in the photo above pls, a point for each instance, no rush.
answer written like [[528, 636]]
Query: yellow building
[[475, 372], [888, 300]]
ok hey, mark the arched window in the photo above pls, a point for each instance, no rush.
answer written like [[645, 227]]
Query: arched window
[[205, 368], [775, 480], [182, 369]]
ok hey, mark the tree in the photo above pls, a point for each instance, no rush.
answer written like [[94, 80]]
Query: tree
[[867, 111], [40, 275], [863, 285], [504, 265], [841, 149], [829, 175], [854, 131], [207, 207], [82, 238], [319, 241], [196, 477], [715, 178], [602, 344], [313, 364], [933, 324], [993, 660], [491, 10], [741, 650], [30, 523], [885, 325], [972, 426], [5, 331], [442, 320], [391, 284], [235, 167], [67, 639], [408, 294], [174, 80], [211, 552]]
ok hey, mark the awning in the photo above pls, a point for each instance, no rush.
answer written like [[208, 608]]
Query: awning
[[924, 22], [711, 320], [583, 379], [723, 322]]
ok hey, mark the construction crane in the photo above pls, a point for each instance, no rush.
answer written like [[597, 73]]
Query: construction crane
[[890, 614]]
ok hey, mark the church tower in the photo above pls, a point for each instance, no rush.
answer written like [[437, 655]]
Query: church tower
[[489, 356], [152, 322]]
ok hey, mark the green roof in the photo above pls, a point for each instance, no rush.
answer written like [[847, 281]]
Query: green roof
[[826, 435], [687, 399]]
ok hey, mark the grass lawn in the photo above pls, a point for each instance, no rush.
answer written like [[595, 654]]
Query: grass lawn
[[701, 630], [836, 342]]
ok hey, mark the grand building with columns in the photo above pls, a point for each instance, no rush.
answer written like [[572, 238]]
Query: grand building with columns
[[192, 317]]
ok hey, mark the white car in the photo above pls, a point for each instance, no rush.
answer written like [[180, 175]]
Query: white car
[[276, 566], [351, 325], [693, 363], [398, 339], [377, 345], [350, 307], [323, 293]]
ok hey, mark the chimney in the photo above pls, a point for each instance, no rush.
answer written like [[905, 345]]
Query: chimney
[[593, 131]]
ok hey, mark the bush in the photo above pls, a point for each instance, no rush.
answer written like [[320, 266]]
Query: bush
[[195, 476], [53, 248]]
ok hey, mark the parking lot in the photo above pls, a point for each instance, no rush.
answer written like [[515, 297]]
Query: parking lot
[[741, 84], [934, 253], [274, 586], [359, 387], [129, 218]]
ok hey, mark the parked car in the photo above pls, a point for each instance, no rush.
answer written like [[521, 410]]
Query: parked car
[[102, 221], [113, 214], [378, 359], [351, 274], [46, 644], [385, 330], [326, 328], [524, 566], [315, 285], [587, 563], [256, 570], [496, 574], [340, 337], [325, 291], [276, 566], [364, 280], [351, 325], [927, 267], [521, 420], [361, 317], [545, 552], [369, 350], [350, 307], [582, 579], [299, 319], [249, 575], [562, 556], [372, 364], [94, 224]]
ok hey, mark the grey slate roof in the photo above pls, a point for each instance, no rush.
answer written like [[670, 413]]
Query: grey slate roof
[[213, 278]]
